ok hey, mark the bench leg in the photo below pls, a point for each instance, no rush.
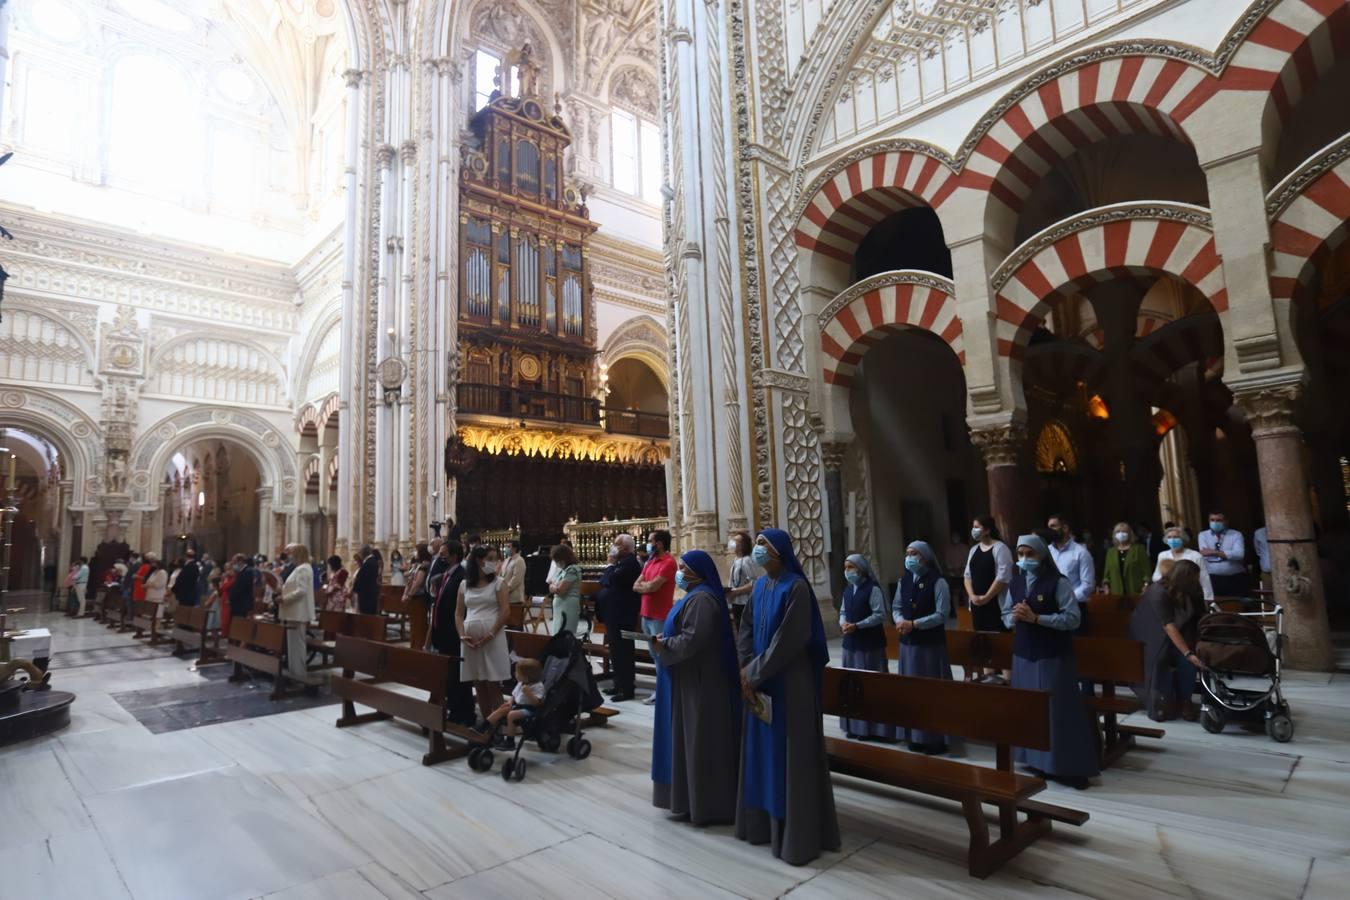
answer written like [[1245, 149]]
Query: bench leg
[[984, 858], [238, 674]]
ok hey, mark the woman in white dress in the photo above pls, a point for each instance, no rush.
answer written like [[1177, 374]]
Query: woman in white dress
[[480, 618], [1176, 551], [396, 568]]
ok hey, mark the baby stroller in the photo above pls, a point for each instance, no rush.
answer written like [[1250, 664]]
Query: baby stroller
[[569, 692], [1243, 639]]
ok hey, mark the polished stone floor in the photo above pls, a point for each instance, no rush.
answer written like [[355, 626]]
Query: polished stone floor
[[288, 806]]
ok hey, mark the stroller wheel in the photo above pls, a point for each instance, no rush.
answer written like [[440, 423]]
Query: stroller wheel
[[1211, 719], [549, 743], [519, 773], [480, 759], [1280, 728], [578, 748], [508, 768]]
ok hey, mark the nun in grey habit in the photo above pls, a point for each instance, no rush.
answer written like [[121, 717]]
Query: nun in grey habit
[[862, 619], [923, 601]]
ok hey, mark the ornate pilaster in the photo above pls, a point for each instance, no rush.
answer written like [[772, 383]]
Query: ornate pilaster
[[1294, 564]]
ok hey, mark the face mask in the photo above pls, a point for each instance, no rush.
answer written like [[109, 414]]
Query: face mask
[[1029, 566], [651, 548], [976, 534], [1122, 537], [852, 577], [681, 582], [731, 547], [489, 568], [615, 552], [1216, 527], [760, 554], [1176, 543]]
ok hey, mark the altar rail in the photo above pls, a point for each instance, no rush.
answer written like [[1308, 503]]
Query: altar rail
[[591, 540], [499, 537]]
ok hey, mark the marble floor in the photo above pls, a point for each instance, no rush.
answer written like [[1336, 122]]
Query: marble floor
[[288, 806]]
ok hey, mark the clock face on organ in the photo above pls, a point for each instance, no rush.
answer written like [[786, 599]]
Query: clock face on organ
[[528, 368]]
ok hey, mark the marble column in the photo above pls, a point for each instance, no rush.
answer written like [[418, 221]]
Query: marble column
[[265, 520], [1289, 525], [65, 551], [349, 398], [832, 456], [1001, 446]]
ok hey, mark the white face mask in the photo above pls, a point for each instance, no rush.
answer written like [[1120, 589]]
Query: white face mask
[[731, 547], [1122, 537], [489, 568]]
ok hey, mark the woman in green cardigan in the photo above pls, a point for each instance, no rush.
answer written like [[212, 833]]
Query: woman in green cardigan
[[1126, 571]]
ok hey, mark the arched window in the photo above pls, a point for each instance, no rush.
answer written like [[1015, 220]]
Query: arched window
[[155, 129]]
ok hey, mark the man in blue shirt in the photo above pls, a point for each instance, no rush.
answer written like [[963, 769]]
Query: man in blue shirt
[[1072, 559]]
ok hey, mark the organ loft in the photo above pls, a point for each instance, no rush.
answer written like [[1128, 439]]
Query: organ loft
[[531, 394]]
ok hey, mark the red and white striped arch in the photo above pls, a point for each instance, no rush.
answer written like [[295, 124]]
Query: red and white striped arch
[[1101, 100], [1097, 253], [1312, 227], [1289, 49], [866, 191], [894, 303]]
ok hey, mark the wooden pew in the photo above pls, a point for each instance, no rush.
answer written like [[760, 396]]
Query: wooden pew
[[145, 619], [1004, 717], [1108, 616], [333, 623], [388, 664], [394, 609], [528, 644], [1107, 661], [261, 646], [190, 632], [112, 611]]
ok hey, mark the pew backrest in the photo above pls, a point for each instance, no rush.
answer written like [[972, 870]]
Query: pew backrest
[[391, 599], [1109, 659], [259, 635], [333, 623], [1108, 615], [388, 663], [997, 715]]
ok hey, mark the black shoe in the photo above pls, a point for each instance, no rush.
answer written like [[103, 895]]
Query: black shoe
[[621, 696], [1077, 782], [506, 742]]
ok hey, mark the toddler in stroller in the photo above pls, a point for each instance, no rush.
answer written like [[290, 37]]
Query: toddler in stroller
[[567, 688]]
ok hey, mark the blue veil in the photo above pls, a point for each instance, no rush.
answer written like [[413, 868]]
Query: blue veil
[[702, 565]]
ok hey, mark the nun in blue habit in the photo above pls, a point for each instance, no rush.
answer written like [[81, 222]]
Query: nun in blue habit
[[923, 601], [1039, 606], [786, 796], [698, 700], [862, 619]]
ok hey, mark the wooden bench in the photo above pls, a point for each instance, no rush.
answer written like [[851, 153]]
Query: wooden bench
[[1004, 717], [190, 632], [528, 644], [112, 610], [333, 623], [393, 609], [389, 664], [1108, 616], [145, 619], [261, 646], [1106, 661]]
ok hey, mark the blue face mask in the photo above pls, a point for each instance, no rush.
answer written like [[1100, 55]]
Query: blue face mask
[[1216, 527], [976, 534], [681, 582], [852, 577], [1029, 566], [651, 548], [760, 554], [1176, 543], [913, 564]]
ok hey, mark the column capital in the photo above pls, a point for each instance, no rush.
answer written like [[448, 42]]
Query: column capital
[[384, 155], [832, 454], [1000, 444], [1270, 410], [353, 77]]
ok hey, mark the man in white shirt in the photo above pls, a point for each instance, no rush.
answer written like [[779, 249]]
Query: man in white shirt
[[1262, 542], [1072, 559], [1225, 555], [82, 583]]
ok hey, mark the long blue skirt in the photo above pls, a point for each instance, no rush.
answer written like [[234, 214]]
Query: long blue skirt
[[925, 661], [869, 661], [1073, 748]]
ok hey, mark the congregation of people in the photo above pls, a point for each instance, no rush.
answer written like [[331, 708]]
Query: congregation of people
[[738, 661]]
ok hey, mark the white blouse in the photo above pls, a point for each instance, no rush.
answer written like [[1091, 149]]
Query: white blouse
[[1195, 557]]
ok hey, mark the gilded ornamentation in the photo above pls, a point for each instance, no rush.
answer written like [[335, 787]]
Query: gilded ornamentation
[[561, 445]]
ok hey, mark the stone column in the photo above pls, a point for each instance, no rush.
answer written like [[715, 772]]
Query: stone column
[[1289, 525], [349, 398], [1001, 445], [64, 550], [265, 520], [832, 456]]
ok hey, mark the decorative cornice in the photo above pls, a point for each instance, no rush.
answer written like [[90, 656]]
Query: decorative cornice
[[509, 441], [882, 280], [783, 381], [1172, 212], [1292, 186]]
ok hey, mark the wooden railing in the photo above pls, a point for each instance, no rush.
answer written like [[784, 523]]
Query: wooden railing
[[636, 422], [591, 540], [514, 403]]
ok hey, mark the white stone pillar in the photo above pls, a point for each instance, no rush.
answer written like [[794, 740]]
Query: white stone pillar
[[402, 471], [349, 403], [64, 550], [265, 520], [6, 14]]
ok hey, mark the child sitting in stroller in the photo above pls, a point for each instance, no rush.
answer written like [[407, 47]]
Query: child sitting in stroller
[[525, 699]]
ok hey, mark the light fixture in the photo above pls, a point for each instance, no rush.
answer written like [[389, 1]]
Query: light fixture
[[201, 498]]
